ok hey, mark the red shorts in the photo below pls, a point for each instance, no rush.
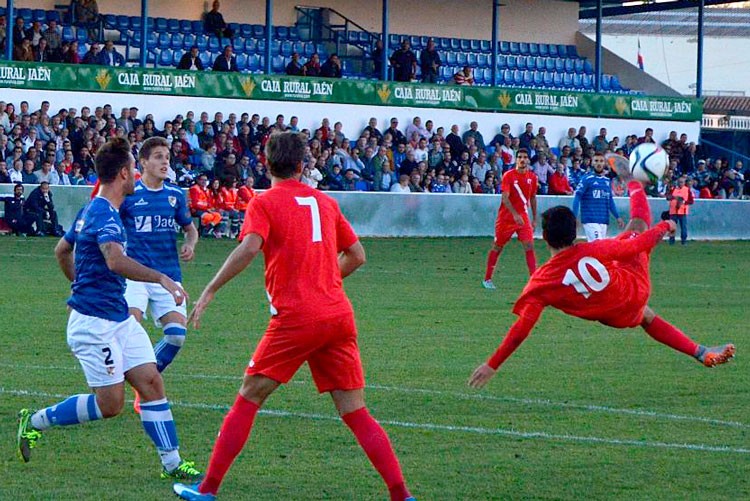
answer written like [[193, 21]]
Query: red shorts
[[329, 348], [504, 231]]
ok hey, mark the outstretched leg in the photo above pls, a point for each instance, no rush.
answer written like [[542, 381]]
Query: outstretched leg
[[640, 212], [668, 334]]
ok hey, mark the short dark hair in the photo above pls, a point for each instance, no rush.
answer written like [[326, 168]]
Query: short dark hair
[[149, 145], [284, 151], [523, 150], [598, 154], [112, 157], [559, 227]]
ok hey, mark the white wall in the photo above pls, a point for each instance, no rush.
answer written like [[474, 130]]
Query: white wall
[[353, 117]]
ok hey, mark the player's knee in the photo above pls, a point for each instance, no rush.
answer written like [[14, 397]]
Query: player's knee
[[136, 313], [257, 388], [111, 405]]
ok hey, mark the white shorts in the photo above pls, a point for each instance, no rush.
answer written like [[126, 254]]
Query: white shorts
[[107, 350], [142, 295], [595, 231]]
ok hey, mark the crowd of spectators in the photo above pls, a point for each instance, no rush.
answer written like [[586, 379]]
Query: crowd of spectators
[[58, 147]]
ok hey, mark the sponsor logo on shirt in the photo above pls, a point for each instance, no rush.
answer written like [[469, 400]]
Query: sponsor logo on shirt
[[140, 202]]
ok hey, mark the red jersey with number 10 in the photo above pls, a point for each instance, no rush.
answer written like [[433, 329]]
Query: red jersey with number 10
[[605, 280], [303, 231], [520, 189]]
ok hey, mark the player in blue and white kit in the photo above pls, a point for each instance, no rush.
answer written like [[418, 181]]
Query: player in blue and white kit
[[110, 345], [152, 216], [594, 197]]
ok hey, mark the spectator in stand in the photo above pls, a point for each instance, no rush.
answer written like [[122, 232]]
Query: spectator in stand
[[29, 175], [40, 210], [214, 24], [558, 182], [481, 167], [42, 53], [429, 62], [688, 164], [541, 140], [19, 31], [525, 139], [377, 58], [3, 31], [23, 51], [404, 63], [16, 173], [582, 141], [4, 174], [14, 211], [571, 141], [226, 62], [372, 129], [488, 185], [402, 186], [440, 184], [648, 137], [384, 178], [462, 184], [680, 198], [464, 76], [312, 67], [600, 142], [191, 60], [415, 126], [397, 136], [44, 175], [543, 170], [54, 38], [200, 206], [294, 68], [474, 132], [332, 67], [70, 55], [35, 33], [244, 194], [86, 12]]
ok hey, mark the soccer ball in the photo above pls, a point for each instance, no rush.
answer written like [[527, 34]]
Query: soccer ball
[[648, 162]]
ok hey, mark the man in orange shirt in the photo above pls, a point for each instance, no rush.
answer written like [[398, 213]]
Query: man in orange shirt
[[244, 195], [312, 319], [230, 216], [519, 187], [200, 206], [680, 200], [604, 280]]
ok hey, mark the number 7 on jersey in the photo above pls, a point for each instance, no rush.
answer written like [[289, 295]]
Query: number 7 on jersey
[[317, 235]]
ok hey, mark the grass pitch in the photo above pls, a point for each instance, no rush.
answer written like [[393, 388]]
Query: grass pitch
[[580, 410]]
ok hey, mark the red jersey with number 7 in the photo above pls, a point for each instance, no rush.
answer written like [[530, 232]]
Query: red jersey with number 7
[[605, 280], [520, 189], [303, 231]]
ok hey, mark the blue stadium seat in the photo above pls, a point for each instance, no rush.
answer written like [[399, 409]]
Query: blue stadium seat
[[235, 27], [150, 41], [160, 23], [616, 85], [534, 49], [298, 47], [176, 56], [461, 59], [521, 62], [553, 50], [606, 83], [251, 46], [548, 79], [309, 49], [572, 51], [242, 62], [134, 23], [479, 77], [450, 58], [293, 34], [568, 80], [562, 50], [578, 65], [165, 57], [465, 45], [518, 78], [82, 49], [173, 25], [504, 47], [282, 32], [415, 42], [485, 46], [512, 62], [471, 59], [538, 79], [540, 63], [515, 48], [260, 46], [549, 63], [558, 80], [528, 78], [246, 30], [543, 49], [187, 41], [577, 81], [352, 37], [364, 37], [53, 15], [530, 62], [110, 21], [443, 43], [238, 44], [82, 36], [523, 48], [164, 41], [508, 77], [502, 61], [394, 41], [475, 45], [186, 26], [287, 48], [569, 65], [275, 47], [259, 31], [214, 45], [455, 44], [559, 64], [424, 40], [197, 26], [321, 48], [487, 73], [483, 61], [587, 68], [122, 23], [26, 14], [68, 35], [253, 62], [39, 16], [202, 42], [444, 72], [205, 58]]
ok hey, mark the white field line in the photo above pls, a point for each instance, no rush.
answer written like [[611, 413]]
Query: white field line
[[538, 435], [459, 395]]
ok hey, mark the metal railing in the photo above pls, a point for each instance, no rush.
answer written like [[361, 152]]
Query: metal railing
[[725, 122]]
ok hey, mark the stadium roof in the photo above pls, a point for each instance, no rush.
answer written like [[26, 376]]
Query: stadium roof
[[717, 23], [733, 105], [587, 8]]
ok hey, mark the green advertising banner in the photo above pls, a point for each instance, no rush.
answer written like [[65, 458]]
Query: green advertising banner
[[84, 78]]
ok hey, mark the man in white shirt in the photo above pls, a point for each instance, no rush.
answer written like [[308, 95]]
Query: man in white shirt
[[402, 186], [420, 153], [481, 167], [416, 126]]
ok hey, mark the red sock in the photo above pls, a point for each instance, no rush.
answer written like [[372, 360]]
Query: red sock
[[374, 440], [492, 258], [232, 437], [668, 334], [639, 207], [531, 261]]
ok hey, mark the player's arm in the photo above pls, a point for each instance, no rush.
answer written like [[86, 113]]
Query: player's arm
[[508, 205], [238, 260], [66, 258], [351, 258], [187, 251], [623, 249], [118, 262], [532, 202], [577, 196], [517, 334]]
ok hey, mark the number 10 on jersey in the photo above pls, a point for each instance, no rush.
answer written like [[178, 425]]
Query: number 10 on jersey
[[587, 284]]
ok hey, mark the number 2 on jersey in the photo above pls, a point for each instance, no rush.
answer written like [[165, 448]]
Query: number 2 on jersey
[[587, 280], [317, 236]]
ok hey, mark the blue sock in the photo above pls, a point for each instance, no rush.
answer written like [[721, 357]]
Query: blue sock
[[156, 418], [73, 410], [166, 349]]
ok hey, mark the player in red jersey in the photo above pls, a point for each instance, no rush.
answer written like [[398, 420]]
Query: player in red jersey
[[606, 281], [309, 247], [519, 187]]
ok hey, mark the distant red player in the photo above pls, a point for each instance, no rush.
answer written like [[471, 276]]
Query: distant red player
[[519, 187], [309, 247], [605, 280]]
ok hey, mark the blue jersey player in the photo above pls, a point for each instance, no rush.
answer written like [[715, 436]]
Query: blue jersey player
[[110, 345], [594, 197], [152, 216]]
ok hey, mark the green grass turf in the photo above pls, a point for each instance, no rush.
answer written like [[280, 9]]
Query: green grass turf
[[424, 323]]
